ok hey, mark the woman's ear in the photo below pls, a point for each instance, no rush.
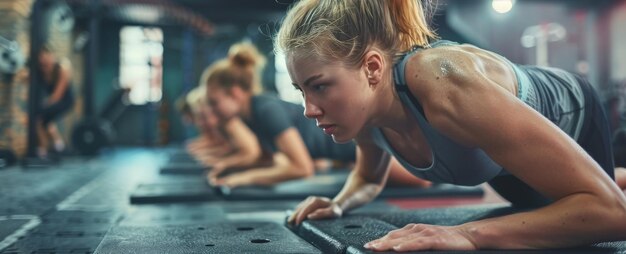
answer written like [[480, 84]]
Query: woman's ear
[[373, 64]]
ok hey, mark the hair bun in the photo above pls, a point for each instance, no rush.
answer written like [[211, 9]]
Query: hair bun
[[246, 55]]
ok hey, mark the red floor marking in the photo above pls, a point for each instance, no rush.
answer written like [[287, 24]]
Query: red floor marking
[[433, 202], [490, 197]]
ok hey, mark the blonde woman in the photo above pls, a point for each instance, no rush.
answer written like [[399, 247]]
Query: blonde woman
[[374, 72], [233, 86]]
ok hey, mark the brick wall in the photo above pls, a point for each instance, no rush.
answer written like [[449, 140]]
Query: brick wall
[[14, 88]]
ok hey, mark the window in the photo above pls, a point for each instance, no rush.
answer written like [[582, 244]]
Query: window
[[285, 89], [141, 63]]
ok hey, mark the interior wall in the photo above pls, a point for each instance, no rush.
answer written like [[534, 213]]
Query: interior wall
[[616, 95], [14, 24], [618, 42], [502, 33]]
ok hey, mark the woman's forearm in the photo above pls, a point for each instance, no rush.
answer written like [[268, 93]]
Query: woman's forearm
[[577, 220], [357, 191], [239, 159], [266, 175]]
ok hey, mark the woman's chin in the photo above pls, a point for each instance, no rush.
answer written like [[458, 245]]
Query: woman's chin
[[341, 139]]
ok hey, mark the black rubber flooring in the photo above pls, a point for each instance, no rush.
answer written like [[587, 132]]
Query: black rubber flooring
[[83, 206]]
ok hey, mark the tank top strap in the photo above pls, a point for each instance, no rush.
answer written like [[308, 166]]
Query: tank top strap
[[400, 68]]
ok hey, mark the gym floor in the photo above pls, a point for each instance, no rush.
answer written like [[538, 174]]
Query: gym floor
[[82, 206]]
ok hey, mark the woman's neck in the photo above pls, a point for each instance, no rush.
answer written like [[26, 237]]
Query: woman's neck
[[391, 111]]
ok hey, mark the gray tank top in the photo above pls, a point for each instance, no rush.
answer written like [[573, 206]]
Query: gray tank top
[[552, 92]]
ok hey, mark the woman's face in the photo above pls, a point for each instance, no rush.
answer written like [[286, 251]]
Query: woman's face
[[204, 117], [45, 58], [211, 120], [224, 105], [198, 120], [337, 97]]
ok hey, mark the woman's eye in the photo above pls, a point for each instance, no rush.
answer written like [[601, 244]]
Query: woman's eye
[[318, 88]]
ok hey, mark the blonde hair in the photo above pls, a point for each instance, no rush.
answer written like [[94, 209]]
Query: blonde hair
[[241, 68], [195, 98], [346, 29]]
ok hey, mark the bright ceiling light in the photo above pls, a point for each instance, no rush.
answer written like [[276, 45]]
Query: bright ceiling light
[[502, 6]]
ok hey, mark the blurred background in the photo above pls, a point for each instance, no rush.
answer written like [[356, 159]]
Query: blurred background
[[133, 58]]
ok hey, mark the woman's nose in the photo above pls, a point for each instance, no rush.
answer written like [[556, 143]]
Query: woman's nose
[[311, 110]]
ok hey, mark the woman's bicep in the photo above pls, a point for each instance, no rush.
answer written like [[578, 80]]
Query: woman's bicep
[[66, 68], [517, 138], [291, 144], [242, 137], [64, 78]]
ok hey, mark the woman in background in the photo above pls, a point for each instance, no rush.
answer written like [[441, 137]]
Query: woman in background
[[56, 75], [233, 86]]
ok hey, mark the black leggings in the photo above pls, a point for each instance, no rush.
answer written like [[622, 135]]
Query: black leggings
[[56, 110], [594, 138]]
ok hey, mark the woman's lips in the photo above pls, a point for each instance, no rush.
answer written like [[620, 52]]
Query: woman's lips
[[328, 128]]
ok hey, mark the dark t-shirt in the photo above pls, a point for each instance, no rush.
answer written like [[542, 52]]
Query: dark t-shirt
[[271, 116]]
